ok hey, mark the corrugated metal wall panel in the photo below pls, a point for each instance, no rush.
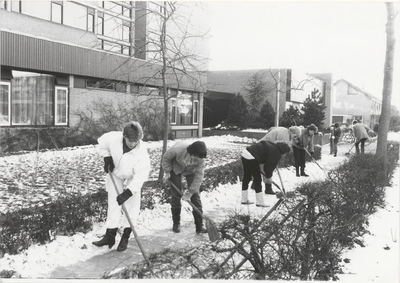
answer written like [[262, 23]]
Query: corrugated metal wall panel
[[25, 52]]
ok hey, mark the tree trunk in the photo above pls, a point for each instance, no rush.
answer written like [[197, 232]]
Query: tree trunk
[[381, 148], [164, 90]]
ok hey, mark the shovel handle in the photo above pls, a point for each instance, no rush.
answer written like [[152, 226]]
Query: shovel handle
[[188, 201], [130, 221]]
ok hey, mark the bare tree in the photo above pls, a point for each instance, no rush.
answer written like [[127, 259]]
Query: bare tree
[[169, 54], [384, 121]]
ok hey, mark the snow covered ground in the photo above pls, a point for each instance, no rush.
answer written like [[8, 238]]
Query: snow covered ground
[[378, 261]]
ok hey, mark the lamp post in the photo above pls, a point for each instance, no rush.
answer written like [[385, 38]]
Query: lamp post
[[278, 89]]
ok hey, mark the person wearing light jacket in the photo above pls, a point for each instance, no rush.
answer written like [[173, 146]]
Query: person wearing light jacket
[[275, 134], [300, 142], [263, 152], [361, 134], [126, 157], [185, 158]]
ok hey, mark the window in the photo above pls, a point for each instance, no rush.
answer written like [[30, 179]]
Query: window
[[57, 12], [61, 109], [126, 32], [90, 22], [5, 104], [185, 106], [195, 112], [32, 99], [101, 84], [126, 12], [15, 6], [100, 24], [3, 5], [173, 111], [352, 90]]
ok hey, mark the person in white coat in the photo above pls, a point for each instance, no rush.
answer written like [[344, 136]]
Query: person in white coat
[[126, 157]]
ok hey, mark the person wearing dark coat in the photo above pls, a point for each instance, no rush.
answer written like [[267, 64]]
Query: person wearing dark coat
[[335, 138], [263, 152]]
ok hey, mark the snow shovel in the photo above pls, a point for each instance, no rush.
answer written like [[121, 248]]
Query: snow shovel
[[212, 229], [130, 222]]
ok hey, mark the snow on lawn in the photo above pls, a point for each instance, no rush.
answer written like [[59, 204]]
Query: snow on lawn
[[377, 262]]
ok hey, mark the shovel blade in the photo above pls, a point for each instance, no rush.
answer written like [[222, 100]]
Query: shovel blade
[[212, 230]]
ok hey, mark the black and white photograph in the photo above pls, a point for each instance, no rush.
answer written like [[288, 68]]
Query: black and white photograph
[[199, 140]]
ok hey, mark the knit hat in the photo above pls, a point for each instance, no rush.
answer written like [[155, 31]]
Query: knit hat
[[198, 149]]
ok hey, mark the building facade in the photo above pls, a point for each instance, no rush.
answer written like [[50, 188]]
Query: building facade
[[351, 102], [60, 57], [288, 87]]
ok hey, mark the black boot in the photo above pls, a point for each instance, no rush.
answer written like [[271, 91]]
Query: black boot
[[108, 238], [297, 172], [198, 221], [123, 244], [176, 218], [303, 173], [268, 189]]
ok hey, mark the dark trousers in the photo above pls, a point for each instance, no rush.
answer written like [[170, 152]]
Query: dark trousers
[[362, 141], [251, 169], [299, 158], [176, 197]]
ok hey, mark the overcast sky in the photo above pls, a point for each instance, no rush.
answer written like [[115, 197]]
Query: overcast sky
[[346, 39]]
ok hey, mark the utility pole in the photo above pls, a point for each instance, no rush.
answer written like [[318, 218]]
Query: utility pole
[[278, 89]]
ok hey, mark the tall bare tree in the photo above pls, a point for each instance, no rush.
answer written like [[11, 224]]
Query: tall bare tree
[[170, 53], [384, 121]]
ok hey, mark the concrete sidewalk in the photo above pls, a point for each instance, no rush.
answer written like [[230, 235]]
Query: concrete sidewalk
[[104, 264]]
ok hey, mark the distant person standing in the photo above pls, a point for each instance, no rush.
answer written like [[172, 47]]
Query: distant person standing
[[331, 138], [335, 138], [360, 132]]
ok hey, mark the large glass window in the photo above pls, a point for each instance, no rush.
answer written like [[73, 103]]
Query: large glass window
[[5, 96], [184, 110], [32, 99]]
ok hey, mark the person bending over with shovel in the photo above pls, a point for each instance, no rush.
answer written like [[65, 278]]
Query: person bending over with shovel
[[263, 152], [302, 140], [186, 159], [361, 134], [275, 134], [126, 158]]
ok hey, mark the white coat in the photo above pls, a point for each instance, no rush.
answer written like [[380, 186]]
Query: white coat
[[131, 171]]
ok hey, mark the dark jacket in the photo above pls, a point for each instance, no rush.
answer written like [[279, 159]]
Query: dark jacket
[[336, 133], [267, 153]]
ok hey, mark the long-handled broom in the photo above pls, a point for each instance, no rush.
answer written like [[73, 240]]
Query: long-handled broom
[[212, 229], [348, 153], [130, 222]]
